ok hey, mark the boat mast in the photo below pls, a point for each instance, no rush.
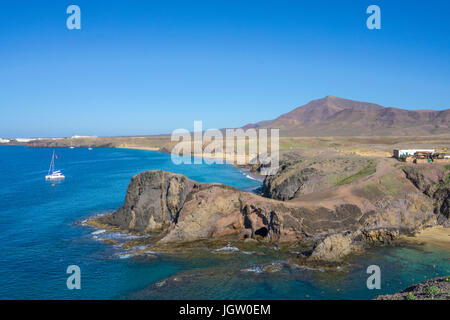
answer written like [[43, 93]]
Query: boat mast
[[52, 163]]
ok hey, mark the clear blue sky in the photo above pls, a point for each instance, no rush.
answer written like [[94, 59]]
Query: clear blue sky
[[146, 67]]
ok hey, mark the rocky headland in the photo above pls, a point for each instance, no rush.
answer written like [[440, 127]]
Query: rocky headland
[[330, 208]]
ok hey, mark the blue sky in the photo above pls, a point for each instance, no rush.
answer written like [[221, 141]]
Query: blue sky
[[146, 67]]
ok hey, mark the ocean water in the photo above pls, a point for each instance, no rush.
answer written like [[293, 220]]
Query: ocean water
[[41, 235]]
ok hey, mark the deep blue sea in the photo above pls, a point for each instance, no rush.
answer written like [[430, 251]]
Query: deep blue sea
[[40, 235]]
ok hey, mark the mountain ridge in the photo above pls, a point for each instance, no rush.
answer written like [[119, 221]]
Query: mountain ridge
[[334, 116]]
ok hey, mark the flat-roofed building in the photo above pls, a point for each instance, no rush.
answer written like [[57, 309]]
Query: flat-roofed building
[[400, 153]]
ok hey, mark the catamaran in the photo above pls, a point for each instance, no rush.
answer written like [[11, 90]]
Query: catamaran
[[52, 174]]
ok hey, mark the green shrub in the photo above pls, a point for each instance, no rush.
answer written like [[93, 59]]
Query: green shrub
[[368, 170], [410, 296], [432, 290]]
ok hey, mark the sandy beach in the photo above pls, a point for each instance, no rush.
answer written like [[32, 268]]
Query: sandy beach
[[225, 158], [437, 235]]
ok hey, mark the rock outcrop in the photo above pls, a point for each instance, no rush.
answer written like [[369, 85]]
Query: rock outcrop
[[335, 246], [287, 186], [434, 181], [433, 289], [297, 177], [176, 208], [442, 197], [153, 201]]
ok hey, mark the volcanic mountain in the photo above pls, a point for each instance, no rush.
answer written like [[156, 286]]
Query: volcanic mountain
[[333, 116]]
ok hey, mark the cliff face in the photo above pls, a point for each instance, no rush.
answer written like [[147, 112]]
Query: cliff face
[[435, 183], [180, 209], [153, 201], [287, 186]]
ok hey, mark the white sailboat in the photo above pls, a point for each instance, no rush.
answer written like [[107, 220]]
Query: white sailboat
[[52, 174]]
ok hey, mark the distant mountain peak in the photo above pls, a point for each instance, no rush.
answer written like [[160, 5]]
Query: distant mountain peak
[[335, 116]]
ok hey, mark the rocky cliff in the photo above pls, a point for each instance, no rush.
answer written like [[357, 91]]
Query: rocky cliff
[[153, 201], [176, 209], [434, 181]]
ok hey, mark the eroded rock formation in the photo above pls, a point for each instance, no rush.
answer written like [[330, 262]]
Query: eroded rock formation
[[179, 209], [300, 176], [435, 183]]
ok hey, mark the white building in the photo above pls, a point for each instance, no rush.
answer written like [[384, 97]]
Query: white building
[[24, 140], [4, 140], [80, 137], [410, 152]]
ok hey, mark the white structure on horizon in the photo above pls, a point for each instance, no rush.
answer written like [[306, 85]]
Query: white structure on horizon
[[410, 152], [79, 137], [25, 140]]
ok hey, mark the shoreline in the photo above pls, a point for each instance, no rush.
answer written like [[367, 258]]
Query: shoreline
[[436, 236], [138, 148], [249, 174]]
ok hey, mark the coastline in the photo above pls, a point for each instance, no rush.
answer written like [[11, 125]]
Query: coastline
[[220, 156], [272, 263], [139, 148], [435, 236]]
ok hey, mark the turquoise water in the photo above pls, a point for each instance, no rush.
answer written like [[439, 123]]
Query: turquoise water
[[40, 236], [400, 268]]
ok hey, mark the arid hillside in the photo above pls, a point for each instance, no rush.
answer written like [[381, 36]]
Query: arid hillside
[[333, 116]]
